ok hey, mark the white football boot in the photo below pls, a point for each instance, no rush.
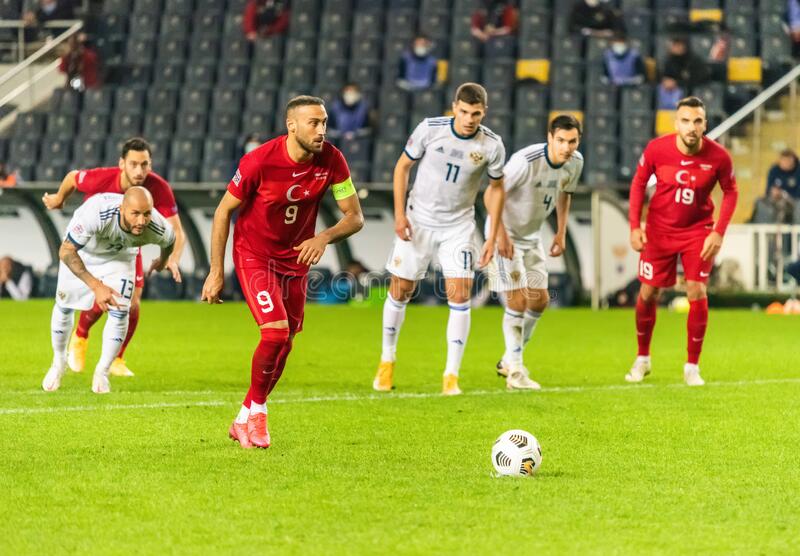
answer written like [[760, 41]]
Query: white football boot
[[691, 375], [518, 379], [52, 380], [100, 383], [639, 370]]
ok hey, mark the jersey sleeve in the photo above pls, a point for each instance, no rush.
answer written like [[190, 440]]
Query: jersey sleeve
[[495, 167], [341, 183], [84, 224], [416, 144], [644, 170], [514, 172], [164, 234], [245, 181], [572, 185], [88, 181], [730, 193], [164, 199]]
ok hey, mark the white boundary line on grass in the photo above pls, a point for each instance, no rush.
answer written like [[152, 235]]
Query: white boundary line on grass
[[373, 397]]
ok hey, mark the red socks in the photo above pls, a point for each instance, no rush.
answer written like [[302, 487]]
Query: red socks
[[279, 366], [696, 329], [267, 365], [87, 320], [645, 322], [133, 320]]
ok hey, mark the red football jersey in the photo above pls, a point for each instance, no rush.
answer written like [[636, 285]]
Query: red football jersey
[[682, 199], [280, 199], [107, 180]]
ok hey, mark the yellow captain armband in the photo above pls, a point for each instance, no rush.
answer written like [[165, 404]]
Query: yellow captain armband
[[343, 189]]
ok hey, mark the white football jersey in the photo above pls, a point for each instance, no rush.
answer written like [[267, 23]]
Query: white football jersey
[[95, 229], [532, 185], [450, 171]]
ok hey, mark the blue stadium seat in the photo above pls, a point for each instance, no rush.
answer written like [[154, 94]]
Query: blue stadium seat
[[56, 152], [88, 153], [531, 98], [159, 126], [29, 125], [191, 125], [126, 124], [24, 152], [187, 151], [61, 126], [224, 125], [94, 126], [129, 101]]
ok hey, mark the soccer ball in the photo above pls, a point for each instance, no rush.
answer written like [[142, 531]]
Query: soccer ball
[[516, 452]]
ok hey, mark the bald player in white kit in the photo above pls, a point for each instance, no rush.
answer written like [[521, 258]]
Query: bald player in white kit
[[98, 263], [538, 179], [439, 219]]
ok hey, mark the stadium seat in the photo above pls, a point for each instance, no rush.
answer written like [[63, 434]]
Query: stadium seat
[[182, 172], [207, 24], [303, 23], [88, 153], [356, 149], [143, 26], [29, 125], [129, 101], [233, 76], [113, 25], [200, 76], [299, 75], [534, 24], [567, 48], [159, 126], [191, 125], [531, 98], [713, 95], [333, 49], [227, 100], [332, 72], [60, 126], [630, 152], [529, 129], [637, 100], [368, 48], [401, 24], [268, 50], [393, 127], [602, 127], [126, 124], [637, 127], [168, 75], [501, 99], [164, 101], [24, 152], [194, 100], [595, 47], [219, 149], [203, 50], [56, 151], [266, 76], [224, 125], [500, 47], [464, 70], [260, 99], [567, 75], [368, 24], [174, 26], [137, 76], [94, 126], [65, 101], [601, 154], [601, 100], [257, 121], [182, 7], [232, 26], [50, 171], [775, 50], [566, 99], [500, 124], [366, 73], [218, 170], [436, 26], [393, 100], [150, 7], [429, 101], [116, 7], [140, 51], [186, 151], [335, 25], [301, 50]]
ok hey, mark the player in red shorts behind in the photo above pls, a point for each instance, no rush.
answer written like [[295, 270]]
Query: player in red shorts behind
[[135, 168], [680, 223], [278, 189]]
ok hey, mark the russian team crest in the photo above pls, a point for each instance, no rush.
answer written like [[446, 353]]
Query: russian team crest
[[476, 157]]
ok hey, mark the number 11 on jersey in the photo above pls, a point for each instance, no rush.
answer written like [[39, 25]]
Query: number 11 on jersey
[[452, 169]]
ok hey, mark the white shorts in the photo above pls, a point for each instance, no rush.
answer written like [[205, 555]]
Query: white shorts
[[527, 269], [454, 249], [73, 293]]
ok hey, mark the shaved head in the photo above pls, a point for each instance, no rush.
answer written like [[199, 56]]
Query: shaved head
[[136, 210]]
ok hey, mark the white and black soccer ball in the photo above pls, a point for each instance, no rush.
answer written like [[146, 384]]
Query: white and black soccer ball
[[516, 452]]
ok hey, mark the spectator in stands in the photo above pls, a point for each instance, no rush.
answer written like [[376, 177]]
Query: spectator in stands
[[251, 142], [595, 18], [418, 65], [495, 18], [350, 115], [47, 10], [682, 70], [16, 279], [785, 174], [7, 177], [264, 18], [774, 208], [793, 19], [623, 64], [80, 63]]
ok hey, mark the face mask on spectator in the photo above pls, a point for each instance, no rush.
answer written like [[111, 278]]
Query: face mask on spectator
[[619, 48], [420, 51], [351, 97], [592, 3], [250, 145]]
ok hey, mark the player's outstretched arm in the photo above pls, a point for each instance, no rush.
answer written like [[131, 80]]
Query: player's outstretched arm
[[212, 288], [56, 200], [173, 264], [402, 227], [562, 214], [162, 262], [311, 250], [103, 295]]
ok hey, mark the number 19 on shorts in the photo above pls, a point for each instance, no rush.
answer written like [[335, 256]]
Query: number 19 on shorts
[[646, 270]]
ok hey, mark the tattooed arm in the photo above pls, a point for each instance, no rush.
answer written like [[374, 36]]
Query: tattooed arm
[[104, 296]]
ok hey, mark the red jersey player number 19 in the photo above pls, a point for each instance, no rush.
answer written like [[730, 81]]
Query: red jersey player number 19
[[277, 190], [680, 223]]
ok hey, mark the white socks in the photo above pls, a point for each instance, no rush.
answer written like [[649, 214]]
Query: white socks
[[256, 408], [529, 325], [457, 333], [244, 413], [60, 329], [113, 336], [513, 323], [394, 312]]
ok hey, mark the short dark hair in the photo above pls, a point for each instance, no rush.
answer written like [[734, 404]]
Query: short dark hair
[[565, 121], [788, 153], [135, 144], [691, 102], [471, 93], [303, 100]]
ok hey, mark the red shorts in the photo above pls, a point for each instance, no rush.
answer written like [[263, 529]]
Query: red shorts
[[658, 261], [273, 297], [139, 278]]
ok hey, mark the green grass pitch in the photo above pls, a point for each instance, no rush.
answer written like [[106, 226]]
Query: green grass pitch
[[628, 469]]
